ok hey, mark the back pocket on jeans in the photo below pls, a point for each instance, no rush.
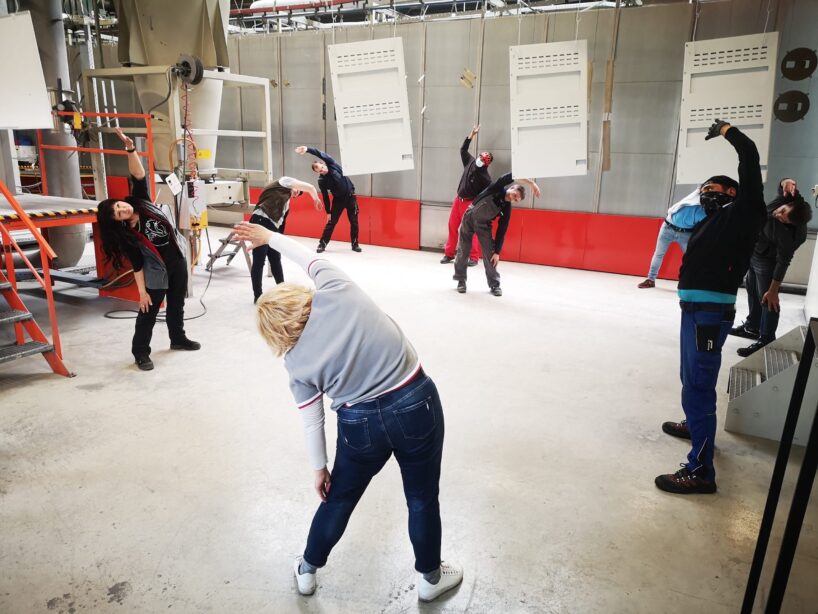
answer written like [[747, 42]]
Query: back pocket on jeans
[[416, 421], [355, 432]]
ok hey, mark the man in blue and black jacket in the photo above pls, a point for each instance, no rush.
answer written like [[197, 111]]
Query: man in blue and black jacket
[[716, 260], [331, 178]]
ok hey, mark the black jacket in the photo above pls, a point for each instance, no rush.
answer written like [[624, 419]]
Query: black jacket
[[492, 203], [778, 241], [334, 181], [475, 178], [718, 254]]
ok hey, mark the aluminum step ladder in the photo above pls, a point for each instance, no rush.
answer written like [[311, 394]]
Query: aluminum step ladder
[[238, 246], [760, 387]]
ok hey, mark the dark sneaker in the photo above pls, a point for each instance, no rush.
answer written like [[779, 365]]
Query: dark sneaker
[[461, 287], [648, 283], [356, 248], [677, 429], [472, 262], [185, 344], [321, 247], [446, 260], [144, 362], [497, 291], [743, 331], [685, 483], [751, 349]]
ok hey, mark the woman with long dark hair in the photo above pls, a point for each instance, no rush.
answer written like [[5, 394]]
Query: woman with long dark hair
[[134, 228]]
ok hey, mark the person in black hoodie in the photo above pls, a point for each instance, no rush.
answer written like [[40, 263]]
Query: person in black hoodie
[[713, 266], [784, 232]]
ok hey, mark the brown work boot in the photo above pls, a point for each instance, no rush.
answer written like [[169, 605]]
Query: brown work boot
[[648, 283]]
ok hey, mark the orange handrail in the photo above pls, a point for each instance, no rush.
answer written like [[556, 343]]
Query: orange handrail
[[23, 216], [115, 152], [47, 254]]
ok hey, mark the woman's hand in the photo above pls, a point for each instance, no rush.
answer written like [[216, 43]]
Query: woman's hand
[[301, 150], [255, 234], [322, 483], [145, 301], [126, 140]]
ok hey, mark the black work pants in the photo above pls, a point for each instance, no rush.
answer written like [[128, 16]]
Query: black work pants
[[350, 205], [265, 252], [174, 310]]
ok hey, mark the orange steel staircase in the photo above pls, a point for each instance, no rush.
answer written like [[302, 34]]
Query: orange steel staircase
[[17, 314]]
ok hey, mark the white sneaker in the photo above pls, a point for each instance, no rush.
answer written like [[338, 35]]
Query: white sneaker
[[450, 576], [306, 581]]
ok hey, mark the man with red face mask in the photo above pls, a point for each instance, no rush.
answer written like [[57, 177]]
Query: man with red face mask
[[475, 179]]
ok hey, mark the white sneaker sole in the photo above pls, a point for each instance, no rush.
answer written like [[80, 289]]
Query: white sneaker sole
[[443, 592]]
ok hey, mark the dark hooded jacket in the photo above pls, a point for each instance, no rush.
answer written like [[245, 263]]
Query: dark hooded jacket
[[778, 241]]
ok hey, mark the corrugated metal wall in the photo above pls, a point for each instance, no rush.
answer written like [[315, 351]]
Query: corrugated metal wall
[[644, 113]]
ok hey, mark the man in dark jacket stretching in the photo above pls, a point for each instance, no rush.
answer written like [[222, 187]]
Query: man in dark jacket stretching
[[475, 179], [331, 178], [493, 202], [784, 232], [713, 266]]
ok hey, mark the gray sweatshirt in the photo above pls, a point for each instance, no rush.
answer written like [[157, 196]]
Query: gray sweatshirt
[[349, 350]]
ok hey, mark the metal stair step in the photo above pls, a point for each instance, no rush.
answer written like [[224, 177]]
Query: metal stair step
[[742, 380], [13, 352], [778, 360], [13, 315], [5, 285]]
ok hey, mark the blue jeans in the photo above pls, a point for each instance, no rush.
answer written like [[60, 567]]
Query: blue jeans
[[758, 279], [703, 332], [409, 423], [667, 236]]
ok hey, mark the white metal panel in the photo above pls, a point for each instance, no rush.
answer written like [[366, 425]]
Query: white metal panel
[[371, 106], [549, 109], [729, 79], [24, 103]]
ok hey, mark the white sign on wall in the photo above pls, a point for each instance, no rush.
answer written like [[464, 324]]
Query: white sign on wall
[[731, 79], [371, 106], [549, 109], [24, 103]]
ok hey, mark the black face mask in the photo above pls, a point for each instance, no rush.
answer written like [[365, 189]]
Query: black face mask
[[713, 201]]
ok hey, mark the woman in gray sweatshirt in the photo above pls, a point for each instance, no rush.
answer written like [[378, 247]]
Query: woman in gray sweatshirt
[[336, 341]]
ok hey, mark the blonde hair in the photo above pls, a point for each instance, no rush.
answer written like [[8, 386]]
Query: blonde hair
[[282, 314]]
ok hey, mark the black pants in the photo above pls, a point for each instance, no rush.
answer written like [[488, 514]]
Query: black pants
[[265, 252], [338, 206], [174, 311]]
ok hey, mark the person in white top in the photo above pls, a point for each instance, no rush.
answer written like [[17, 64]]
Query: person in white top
[[336, 341]]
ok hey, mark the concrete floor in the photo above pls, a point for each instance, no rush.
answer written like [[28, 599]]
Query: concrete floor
[[187, 488]]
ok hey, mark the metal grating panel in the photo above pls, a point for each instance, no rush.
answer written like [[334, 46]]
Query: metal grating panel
[[730, 79], [549, 109], [742, 380], [14, 352], [777, 360], [371, 106]]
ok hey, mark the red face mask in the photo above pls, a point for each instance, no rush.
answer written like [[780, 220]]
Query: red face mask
[[485, 158]]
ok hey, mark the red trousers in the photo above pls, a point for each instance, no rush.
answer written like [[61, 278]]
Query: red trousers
[[459, 207]]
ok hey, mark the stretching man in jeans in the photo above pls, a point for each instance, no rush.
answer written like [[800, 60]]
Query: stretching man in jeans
[[475, 179], [678, 224], [336, 341], [716, 260], [331, 178], [783, 233]]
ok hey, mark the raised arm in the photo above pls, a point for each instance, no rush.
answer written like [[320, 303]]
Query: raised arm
[[135, 167], [751, 186], [258, 235], [465, 156]]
